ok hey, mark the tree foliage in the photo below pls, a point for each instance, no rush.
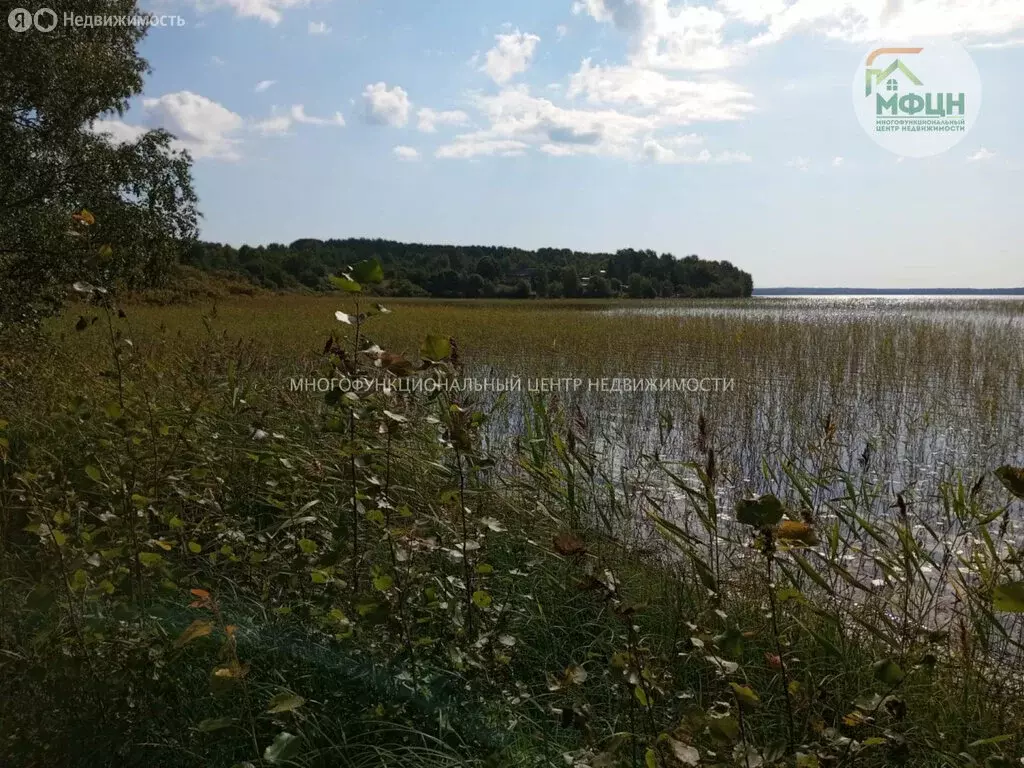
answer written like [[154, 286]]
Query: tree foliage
[[452, 271], [55, 163]]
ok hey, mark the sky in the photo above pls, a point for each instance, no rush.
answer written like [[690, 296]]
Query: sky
[[722, 128]]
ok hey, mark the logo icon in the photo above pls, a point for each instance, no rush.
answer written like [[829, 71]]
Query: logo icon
[[45, 19], [917, 101], [20, 20]]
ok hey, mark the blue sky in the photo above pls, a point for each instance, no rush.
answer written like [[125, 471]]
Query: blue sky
[[723, 128]]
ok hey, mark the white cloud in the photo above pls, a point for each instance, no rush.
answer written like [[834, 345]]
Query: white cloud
[[118, 131], [837, 161], [561, 31], [318, 28], [386, 106], [663, 152], [429, 119], [276, 125], [674, 101], [262, 85], [280, 124], [269, 11], [217, 60], [298, 114], [511, 56], [666, 34], [980, 155], [406, 153], [519, 121], [203, 127], [474, 145], [800, 163]]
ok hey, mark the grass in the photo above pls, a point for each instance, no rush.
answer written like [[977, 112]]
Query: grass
[[202, 566]]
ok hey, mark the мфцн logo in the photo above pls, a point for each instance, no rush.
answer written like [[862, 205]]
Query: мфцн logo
[[917, 101]]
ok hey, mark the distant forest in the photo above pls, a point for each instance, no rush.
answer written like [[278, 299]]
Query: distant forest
[[455, 271]]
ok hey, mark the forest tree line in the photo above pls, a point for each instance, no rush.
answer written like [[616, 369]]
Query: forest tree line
[[454, 271]]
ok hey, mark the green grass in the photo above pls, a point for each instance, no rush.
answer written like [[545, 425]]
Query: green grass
[[516, 580]]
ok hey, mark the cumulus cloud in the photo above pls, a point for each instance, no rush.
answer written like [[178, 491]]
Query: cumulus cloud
[[800, 163], [667, 36], [511, 56], [837, 161], [386, 106], [203, 127], [670, 35], [262, 85], [406, 153], [318, 28], [118, 131], [519, 121], [429, 118]]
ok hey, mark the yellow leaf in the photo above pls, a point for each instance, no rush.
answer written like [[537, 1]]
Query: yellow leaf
[[797, 531], [198, 628]]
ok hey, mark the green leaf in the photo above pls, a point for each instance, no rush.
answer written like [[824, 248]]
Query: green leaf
[[195, 547], [383, 582], [724, 729], [650, 759], [285, 702], [149, 559], [762, 512], [888, 672], [345, 284], [435, 347], [745, 695], [641, 695], [93, 472], [307, 545], [684, 753], [481, 599], [369, 271], [1009, 598], [79, 580], [285, 747], [211, 724], [1012, 478]]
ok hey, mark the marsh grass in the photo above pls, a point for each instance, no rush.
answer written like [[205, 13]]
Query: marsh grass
[[203, 566]]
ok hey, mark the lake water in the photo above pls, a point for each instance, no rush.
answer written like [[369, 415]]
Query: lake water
[[907, 391]]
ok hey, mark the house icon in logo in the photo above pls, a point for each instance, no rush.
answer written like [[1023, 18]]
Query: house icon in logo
[[874, 77]]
